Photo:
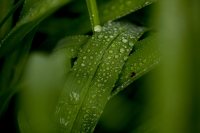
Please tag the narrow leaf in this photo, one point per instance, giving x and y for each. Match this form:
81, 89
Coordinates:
81, 82
33, 13
144, 57
105, 78
114, 9
43, 78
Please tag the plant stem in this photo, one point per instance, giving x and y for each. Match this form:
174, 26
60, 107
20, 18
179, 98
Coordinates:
94, 15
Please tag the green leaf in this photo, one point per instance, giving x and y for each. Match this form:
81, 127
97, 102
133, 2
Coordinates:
114, 9
144, 57
5, 21
109, 10
12, 70
43, 79
93, 76
33, 13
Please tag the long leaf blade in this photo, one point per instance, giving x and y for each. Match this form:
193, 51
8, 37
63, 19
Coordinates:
33, 13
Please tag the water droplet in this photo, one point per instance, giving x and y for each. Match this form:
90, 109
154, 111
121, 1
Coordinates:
116, 56
74, 96
122, 50
124, 40
63, 122
97, 28
131, 44
84, 57
110, 51
147, 3
108, 40
82, 64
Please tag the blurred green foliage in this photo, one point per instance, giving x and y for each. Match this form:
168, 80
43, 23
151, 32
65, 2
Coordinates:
35, 56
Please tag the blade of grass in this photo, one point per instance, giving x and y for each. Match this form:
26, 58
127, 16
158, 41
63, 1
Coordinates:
143, 59
82, 85
12, 71
105, 78
43, 79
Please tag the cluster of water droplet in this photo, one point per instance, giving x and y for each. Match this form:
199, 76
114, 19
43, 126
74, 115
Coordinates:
91, 54
82, 73
94, 74
143, 59
107, 73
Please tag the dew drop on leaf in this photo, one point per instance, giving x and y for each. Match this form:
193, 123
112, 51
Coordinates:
131, 44
97, 28
116, 56
74, 96
110, 51
124, 40
121, 50
82, 64
84, 57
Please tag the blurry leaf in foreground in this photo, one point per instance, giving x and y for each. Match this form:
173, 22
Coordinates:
12, 70
44, 77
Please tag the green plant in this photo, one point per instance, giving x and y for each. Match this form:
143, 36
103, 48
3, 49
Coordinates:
67, 89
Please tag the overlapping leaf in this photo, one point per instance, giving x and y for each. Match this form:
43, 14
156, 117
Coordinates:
144, 58
93, 76
43, 79
96, 72
33, 13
